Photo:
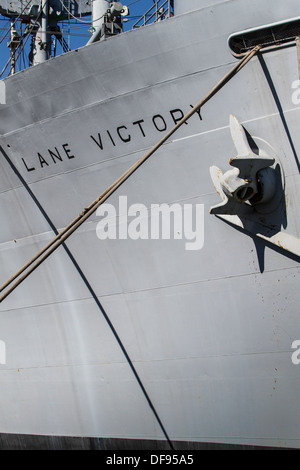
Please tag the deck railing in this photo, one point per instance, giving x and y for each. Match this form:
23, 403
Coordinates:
160, 10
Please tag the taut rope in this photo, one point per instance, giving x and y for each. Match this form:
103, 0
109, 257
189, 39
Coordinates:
85, 214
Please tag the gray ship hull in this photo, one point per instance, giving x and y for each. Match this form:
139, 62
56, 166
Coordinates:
143, 340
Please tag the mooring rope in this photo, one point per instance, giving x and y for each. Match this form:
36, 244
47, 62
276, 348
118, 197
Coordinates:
42, 255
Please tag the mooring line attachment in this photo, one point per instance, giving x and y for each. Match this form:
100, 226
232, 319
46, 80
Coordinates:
57, 241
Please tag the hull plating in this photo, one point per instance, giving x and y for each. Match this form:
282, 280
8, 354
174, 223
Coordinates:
208, 331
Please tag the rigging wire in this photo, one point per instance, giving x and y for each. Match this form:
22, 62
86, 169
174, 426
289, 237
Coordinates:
21, 49
30, 266
5, 28
76, 18
23, 43
13, 24
132, 3
62, 236
81, 24
27, 34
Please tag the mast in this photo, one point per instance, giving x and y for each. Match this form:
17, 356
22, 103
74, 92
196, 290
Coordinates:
13, 45
99, 9
42, 42
107, 19
42, 18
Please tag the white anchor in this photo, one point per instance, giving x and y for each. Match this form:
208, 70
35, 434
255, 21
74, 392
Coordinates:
251, 179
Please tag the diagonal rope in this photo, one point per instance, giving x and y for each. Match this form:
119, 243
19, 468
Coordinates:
59, 239
40, 257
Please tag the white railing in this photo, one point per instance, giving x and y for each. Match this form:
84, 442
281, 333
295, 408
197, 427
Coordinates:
160, 10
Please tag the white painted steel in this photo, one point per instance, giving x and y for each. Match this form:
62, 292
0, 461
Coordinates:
209, 332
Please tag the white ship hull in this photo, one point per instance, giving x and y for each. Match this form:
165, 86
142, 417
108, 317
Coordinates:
208, 332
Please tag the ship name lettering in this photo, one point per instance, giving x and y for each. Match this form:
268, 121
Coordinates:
55, 155
124, 134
